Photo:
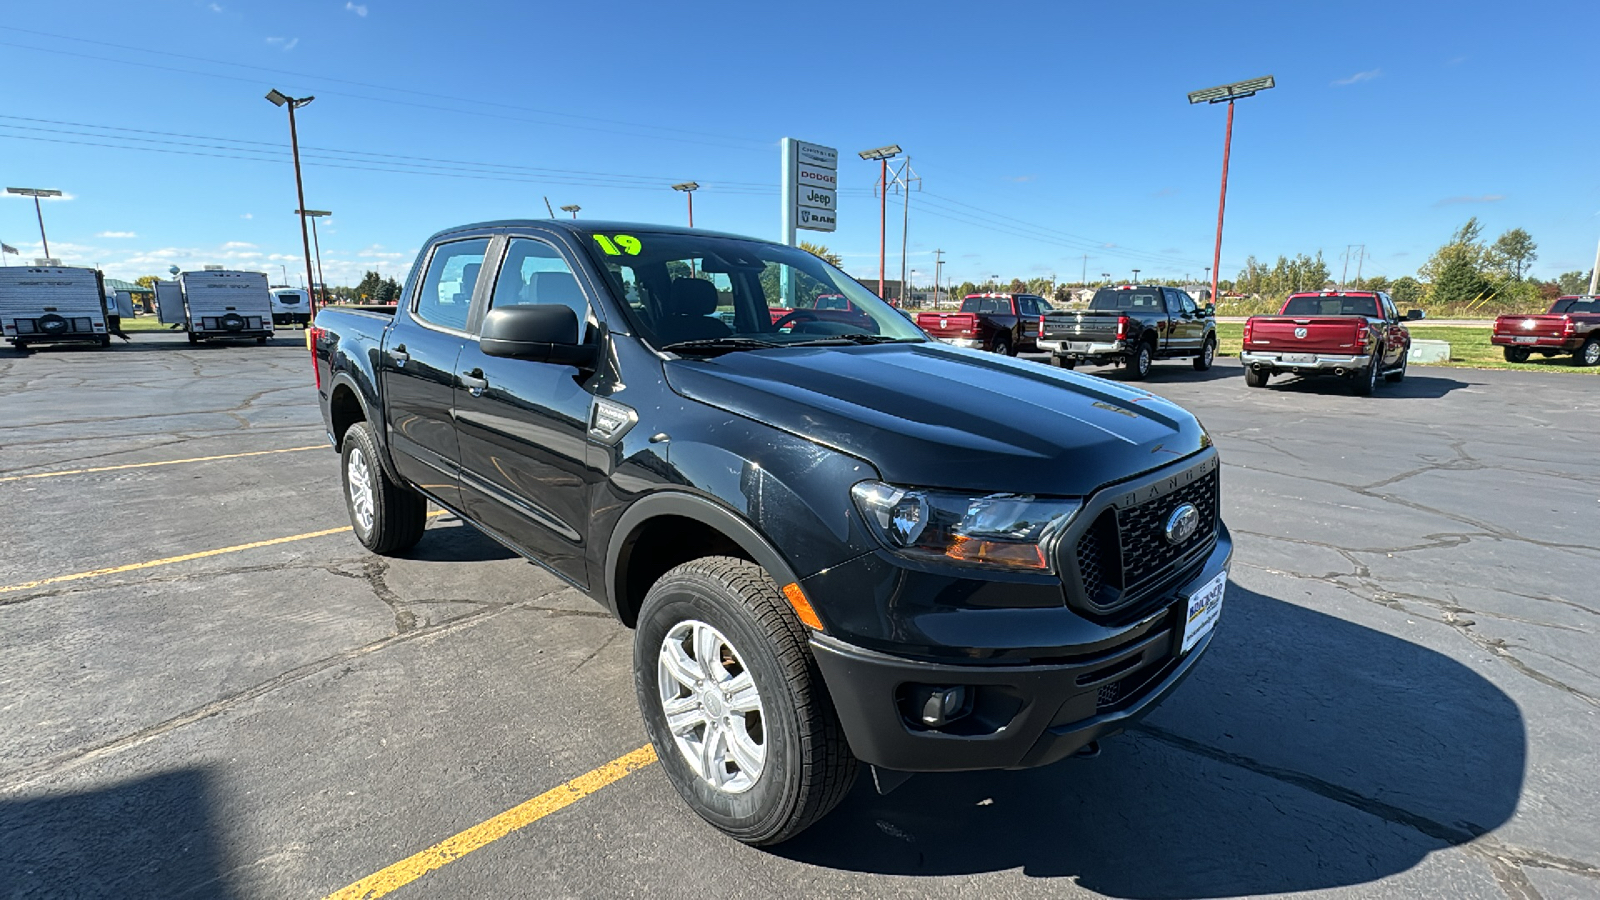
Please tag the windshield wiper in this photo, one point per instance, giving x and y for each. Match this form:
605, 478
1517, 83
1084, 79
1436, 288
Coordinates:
720, 345
841, 339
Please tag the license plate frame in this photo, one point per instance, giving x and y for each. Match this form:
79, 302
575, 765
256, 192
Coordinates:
1525, 339
1201, 610
1299, 358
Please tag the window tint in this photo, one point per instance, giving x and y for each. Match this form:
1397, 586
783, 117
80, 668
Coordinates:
535, 273
1331, 306
1028, 307
446, 294
1388, 309
1186, 302
1142, 298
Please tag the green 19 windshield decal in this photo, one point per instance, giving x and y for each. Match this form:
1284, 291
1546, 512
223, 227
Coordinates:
618, 244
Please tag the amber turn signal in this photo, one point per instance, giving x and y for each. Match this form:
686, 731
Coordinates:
802, 606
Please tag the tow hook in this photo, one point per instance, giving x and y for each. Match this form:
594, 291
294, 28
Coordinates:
1088, 751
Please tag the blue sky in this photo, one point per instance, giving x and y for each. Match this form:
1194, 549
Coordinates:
1042, 131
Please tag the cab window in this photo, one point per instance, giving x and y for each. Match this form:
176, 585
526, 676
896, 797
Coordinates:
446, 295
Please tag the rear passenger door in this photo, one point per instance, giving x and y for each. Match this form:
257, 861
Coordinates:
418, 368
1187, 325
523, 425
1397, 343
1028, 310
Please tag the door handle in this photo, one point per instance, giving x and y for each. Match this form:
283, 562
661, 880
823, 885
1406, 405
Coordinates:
474, 382
400, 356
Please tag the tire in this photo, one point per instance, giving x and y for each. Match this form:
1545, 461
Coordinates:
388, 519
261, 340
1065, 362
1516, 354
105, 340
802, 766
193, 339
1256, 379
1002, 345
1139, 363
1588, 354
1365, 383
1399, 375
1208, 355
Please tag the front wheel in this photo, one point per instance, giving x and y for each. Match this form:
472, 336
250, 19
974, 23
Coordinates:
1139, 363
1516, 354
734, 703
1589, 353
388, 519
1208, 355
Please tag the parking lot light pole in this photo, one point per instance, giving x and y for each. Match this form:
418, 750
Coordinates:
36, 193
1227, 93
316, 244
688, 188
572, 208
281, 99
882, 155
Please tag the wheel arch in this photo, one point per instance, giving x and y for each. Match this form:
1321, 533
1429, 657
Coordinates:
698, 527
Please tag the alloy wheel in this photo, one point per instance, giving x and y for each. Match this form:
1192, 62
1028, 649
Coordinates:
359, 477
712, 706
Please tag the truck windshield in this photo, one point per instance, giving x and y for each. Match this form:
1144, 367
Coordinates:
694, 291
1332, 306
1148, 299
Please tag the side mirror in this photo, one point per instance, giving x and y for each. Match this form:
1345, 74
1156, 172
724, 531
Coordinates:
1413, 315
538, 333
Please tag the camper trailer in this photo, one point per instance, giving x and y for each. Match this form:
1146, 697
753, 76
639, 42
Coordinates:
224, 305
53, 304
290, 306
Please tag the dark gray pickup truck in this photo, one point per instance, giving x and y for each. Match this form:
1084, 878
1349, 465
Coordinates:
1131, 326
839, 542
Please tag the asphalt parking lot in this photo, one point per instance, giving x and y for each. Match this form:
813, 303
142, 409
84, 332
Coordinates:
209, 689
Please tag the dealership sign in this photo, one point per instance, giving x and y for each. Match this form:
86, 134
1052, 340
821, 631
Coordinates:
810, 187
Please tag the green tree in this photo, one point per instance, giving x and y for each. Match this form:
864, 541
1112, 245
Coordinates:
966, 288
1574, 282
822, 253
1406, 291
367, 291
1464, 250
1457, 278
1373, 283
148, 281
1512, 253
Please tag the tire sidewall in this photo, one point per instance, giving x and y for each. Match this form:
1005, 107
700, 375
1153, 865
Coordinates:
1142, 361
1002, 346
767, 804
1208, 355
358, 438
1589, 353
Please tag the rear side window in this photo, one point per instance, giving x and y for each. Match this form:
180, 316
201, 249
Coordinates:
1027, 306
535, 273
446, 295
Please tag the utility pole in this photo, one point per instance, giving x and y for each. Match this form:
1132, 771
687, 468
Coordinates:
1346, 270
882, 155
1361, 258
1085, 281
1594, 273
903, 181
282, 100
938, 271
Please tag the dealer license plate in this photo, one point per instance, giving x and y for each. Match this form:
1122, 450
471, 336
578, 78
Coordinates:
1524, 339
1299, 357
1203, 609
1078, 346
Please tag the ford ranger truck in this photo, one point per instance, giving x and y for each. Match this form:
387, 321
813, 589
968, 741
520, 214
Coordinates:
1131, 326
1355, 335
838, 544
1006, 324
1571, 326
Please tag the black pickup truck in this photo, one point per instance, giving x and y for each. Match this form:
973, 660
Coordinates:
1131, 325
838, 541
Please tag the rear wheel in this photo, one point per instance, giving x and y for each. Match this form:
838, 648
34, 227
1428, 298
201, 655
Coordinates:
1002, 345
193, 339
1588, 354
1208, 355
388, 519
1065, 362
262, 339
1139, 363
1516, 354
734, 703
1256, 378
105, 340
1367, 381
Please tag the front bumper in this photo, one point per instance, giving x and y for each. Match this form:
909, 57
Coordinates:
1022, 715
1306, 363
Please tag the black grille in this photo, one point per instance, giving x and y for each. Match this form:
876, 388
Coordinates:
1142, 530
1091, 561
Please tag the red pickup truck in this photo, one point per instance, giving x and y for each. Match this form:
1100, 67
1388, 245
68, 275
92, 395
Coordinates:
1571, 326
1007, 324
1349, 334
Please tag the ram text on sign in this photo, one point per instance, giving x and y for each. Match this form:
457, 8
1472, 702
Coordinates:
816, 219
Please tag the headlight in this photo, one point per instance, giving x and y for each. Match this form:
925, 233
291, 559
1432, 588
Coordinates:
1006, 530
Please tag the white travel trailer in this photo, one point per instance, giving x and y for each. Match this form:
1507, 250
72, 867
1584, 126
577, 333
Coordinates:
224, 305
53, 304
290, 306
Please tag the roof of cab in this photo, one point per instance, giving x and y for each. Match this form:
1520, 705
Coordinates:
587, 226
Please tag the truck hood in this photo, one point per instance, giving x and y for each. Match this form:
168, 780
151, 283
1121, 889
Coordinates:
936, 416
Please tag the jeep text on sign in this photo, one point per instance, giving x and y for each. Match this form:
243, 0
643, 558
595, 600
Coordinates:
818, 198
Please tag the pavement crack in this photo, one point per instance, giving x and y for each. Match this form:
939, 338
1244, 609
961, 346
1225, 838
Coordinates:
375, 571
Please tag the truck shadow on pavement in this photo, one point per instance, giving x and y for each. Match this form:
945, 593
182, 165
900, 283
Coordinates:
156, 836
1417, 386
451, 540
1306, 752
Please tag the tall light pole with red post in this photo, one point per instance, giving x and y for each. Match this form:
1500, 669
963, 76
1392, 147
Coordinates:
1226, 93
882, 155
279, 98
688, 188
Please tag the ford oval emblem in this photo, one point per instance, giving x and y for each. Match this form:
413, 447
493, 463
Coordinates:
1300, 332
1183, 523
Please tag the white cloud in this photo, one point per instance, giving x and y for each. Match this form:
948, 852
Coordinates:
116, 234
247, 216
359, 9
238, 245
1359, 77
285, 44
214, 7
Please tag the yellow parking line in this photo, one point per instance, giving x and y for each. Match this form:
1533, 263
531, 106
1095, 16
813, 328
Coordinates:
167, 561
453, 848
165, 462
